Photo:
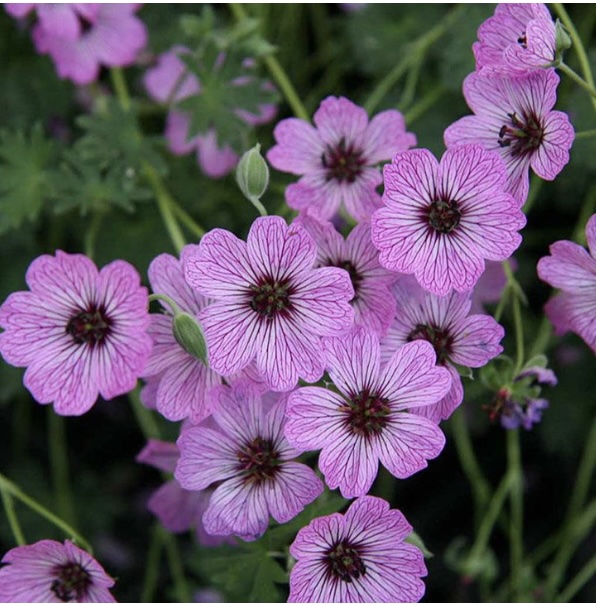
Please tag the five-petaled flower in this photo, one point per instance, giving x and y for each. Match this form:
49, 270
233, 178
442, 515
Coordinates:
359, 556
337, 158
48, 571
270, 303
79, 331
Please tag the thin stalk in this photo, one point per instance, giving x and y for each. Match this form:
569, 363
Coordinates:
577, 79
119, 84
582, 577
187, 220
59, 466
517, 511
12, 489
535, 186
277, 72
585, 134
13, 521
152, 566
176, 566
91, 234
517, 318
423, 104
410, 85
144, 417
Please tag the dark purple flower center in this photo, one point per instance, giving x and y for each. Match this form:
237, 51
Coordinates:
441, 340
523, 41
72, 582
522, 134
90, 326
443, 215
271, 298
258, 460
366, 413
86, 25
343, 162
344, 562
355, 276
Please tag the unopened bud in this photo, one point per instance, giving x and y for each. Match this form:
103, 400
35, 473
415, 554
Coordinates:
189, 335
562, 41
252, 174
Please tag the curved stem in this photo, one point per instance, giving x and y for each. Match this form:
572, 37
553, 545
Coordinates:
12, 489
584, 575
277, 72
163, 298
577, 79
516, 520
187, 220
13, 521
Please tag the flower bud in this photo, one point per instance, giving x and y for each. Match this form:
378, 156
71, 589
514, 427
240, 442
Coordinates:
562, 41
252, 174
189, 335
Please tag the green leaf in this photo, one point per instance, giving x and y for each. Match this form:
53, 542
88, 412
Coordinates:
25, 165
415, 539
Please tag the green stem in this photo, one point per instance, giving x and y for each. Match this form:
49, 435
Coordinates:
258, 205
582, 577
578, 46
119, 84
165, 203
517, 318
187, 220
12, 489
144, 417
92, 232
411, 82
176, 566
463, 443
424, 104
412, 54
59, 466
163, 298
577, 79
152, 566
13, 521
585, 134
535, 186
516, 520
277, 72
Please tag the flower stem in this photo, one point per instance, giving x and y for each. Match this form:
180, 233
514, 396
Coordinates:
171, 303
516, 520
585, 134
152, 566
144, 417
423, 104
577, 79
119, 84
277, 72
59, 465
11, 488
91, 234
187, 220
13, 521
176, 566
582, 55
517, 318
582, 577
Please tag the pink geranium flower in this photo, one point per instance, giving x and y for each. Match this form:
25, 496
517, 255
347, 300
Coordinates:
183, 381
338, 157
572, 269
81, 38
519, 37
443, 220
373, 303
457, 337
247, 455
369, 419
79, 331
169, 82
48, 571
270, 303
513, 116
360, 556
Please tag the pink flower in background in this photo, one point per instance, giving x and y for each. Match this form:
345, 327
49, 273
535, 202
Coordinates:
80, 38
249, 461
370, 419
519, 37
169, 82
513, 116
373, 303
338, 158
270, 303
178, 510
183, 381
48, 571
359, 556
443, 220
457, 337
489, 288
79, 331
572, 269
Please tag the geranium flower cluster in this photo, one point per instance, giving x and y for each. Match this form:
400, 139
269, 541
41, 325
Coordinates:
348, 346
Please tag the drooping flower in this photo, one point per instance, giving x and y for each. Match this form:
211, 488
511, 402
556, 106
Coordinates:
337, 158
170, 82
48, 571
370, 419
79, 331
443, 220
359, 556
519, 37
270, 303
572, 269
183, 381
457, 336
178, 510
513, 116
80, 38
249, 459
373, 303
